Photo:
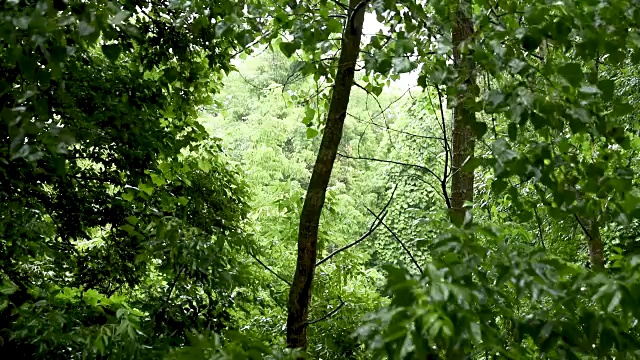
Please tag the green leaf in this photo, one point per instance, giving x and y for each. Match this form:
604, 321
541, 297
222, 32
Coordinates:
8, 287
85, 29
128, 196
111, 51
132, 220
119, 17
621, 109
171, 74
512, 131
309, 115
615, 301
120, 312
471, 164
498, 186
288, 48
403, 65
479, 128
476, 333
128, 228
148, 189
311, 133
531, 43
157, 180
589, 89
572, 72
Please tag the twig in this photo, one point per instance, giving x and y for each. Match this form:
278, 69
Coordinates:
329, 314
173, 285
396, 130
539, 221
586, 232
343, 6
413, 259
270, 270
395, 163
493, 117
251, 44
374, 225
443, 183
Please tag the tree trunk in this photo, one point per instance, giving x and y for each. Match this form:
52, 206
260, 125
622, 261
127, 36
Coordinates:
596, 245
591, 231
463, 140
300, 293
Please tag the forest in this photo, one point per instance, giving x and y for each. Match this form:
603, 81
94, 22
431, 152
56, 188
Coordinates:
320, 179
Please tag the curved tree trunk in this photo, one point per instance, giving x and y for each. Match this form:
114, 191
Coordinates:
300, 293
463, 139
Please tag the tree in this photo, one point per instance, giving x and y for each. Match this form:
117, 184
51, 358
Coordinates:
300, 293
463, 138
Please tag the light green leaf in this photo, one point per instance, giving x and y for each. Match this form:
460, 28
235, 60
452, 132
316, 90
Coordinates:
148, 189
157, 180
128, 196
615, 301
119, 17
311, 133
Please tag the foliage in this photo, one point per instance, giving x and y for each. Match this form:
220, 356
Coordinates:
120, 219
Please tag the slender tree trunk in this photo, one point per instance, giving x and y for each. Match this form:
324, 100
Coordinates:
596, 245
463, 140
300, 293
591, 230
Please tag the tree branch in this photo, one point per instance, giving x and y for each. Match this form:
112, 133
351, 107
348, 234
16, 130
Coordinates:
329, 314
413, 259
429, 171
539, 221
270, 270
374, 225
173, 285
395, 130
443, 183
586, 232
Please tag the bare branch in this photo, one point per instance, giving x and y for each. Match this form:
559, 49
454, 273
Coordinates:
413, 259
270, 270
443, 183
424, 168
586, 232
395, 130
329, 314
343, 6
539, 221
251, 44
374, 225
173, 285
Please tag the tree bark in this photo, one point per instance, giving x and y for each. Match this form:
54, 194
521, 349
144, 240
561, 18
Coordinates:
591, 230
463, 139
596, 246
300, 292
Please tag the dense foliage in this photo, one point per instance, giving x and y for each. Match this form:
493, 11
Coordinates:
157, 155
